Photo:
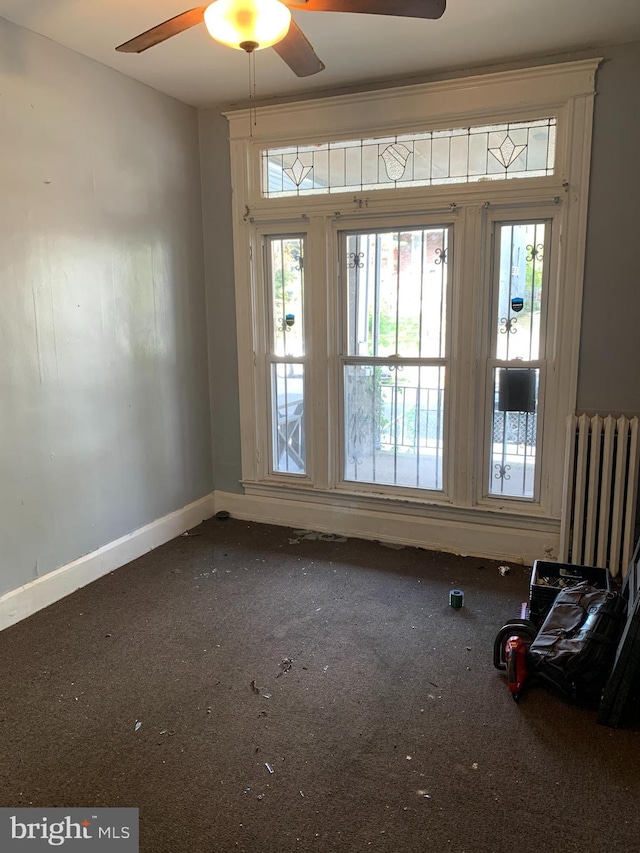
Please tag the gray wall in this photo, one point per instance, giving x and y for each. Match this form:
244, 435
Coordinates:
104, 401
221, 311
608, 379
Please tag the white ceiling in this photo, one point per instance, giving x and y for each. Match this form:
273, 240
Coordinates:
355, 48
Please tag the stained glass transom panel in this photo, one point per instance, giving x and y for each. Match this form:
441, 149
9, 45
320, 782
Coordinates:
457, 156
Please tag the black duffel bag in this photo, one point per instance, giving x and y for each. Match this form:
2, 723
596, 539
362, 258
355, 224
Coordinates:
574, 650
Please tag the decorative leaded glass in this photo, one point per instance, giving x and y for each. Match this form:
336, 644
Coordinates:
456, 156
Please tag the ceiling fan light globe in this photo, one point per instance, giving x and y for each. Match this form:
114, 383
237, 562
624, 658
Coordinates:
238, 22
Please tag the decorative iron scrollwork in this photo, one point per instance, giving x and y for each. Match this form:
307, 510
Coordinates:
535, 252
442, 256
355, 260
297, 256
399, 367
508, 325
502, 472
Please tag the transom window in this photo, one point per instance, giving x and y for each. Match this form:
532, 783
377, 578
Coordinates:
460, 155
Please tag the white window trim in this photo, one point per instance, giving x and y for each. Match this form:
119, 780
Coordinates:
552, 460
564, 90
445, 219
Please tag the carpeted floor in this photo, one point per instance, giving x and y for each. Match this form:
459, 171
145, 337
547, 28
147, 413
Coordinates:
341, 666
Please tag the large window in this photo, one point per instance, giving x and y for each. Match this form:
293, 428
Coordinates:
408, 315
393, 336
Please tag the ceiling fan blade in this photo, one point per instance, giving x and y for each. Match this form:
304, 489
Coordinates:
400, 8
164, 31
297, 52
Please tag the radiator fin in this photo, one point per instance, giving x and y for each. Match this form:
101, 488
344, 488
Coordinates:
600, 491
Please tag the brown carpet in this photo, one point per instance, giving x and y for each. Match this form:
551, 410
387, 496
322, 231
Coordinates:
391, 731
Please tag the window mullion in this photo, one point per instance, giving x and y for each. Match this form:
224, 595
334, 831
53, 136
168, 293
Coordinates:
319, 390
261, 369
464, 341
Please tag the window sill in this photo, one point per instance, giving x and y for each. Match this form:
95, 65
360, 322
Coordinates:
516, 516
471, 531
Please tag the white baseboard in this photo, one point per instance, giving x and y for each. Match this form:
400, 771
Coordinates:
486, 538
37, 594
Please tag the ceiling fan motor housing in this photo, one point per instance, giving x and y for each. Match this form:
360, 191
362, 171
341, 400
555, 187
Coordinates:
247, 24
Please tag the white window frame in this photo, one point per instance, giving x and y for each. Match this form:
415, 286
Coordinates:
266, 349
464, 519
390, 222
547, 408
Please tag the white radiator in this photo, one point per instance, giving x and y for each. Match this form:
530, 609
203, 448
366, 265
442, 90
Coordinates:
600, 492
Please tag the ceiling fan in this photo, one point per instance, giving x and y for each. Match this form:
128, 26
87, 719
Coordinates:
250, 25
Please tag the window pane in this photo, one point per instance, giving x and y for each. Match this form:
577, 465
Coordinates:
288, 439
503, 151
394, 425
287, 291
513, 435
520, 291
397, 293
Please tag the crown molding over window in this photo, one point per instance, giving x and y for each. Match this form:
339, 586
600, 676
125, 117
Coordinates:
418, 105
